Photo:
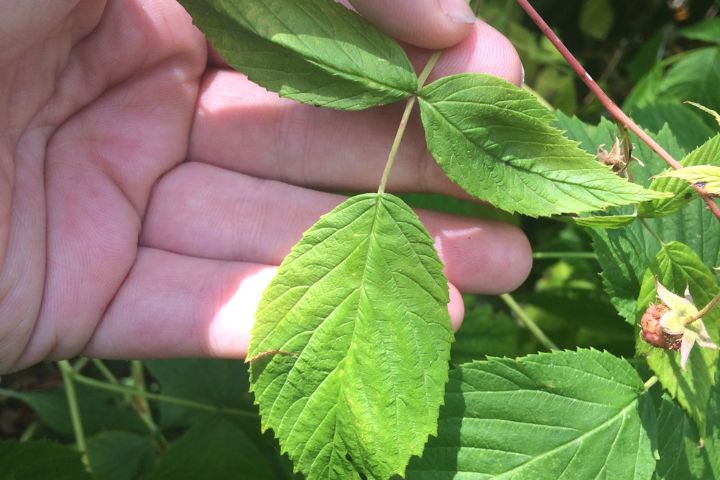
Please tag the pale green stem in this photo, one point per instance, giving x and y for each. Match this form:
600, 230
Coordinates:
105, 371
650, 382
705, 310
396, 144
651, 231
564, 255
528, 322
140, 402
432, 61
68, 374
29, 432
404, 122
80, 364
91, 382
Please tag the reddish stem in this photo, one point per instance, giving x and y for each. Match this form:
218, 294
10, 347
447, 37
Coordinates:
609, 105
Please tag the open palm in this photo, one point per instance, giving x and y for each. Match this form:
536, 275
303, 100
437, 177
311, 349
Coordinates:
146, 195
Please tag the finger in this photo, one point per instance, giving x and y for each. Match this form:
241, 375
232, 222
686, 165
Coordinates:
424, 23
177, 306
241, 126
205, 211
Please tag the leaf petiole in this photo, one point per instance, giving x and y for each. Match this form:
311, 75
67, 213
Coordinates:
704, 311
404, 120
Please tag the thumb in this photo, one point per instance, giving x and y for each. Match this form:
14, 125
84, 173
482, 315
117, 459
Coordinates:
424, 23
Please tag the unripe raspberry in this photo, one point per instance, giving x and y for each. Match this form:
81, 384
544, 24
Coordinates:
652, 331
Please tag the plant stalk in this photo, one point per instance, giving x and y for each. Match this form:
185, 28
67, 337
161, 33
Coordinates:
528, 322
396, 144
607, 102
705, 310
118, 388
564, 255
405, 119
140, 403
68, 374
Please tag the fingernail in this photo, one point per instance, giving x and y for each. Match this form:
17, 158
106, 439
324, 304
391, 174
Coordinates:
458, 11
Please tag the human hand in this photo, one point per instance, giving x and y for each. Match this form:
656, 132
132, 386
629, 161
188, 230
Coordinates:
147, 195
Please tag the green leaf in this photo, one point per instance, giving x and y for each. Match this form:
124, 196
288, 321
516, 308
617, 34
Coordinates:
99, 410
581, 415
495, 140
707, 31
708, 153
349, 353
681, 455
686, 124
485, 333
647, 89
605, 221
677, 267
213, 449
119, 456
695, 77
220, 383
709, 111
40, 460
314, 51
597, 18
707, 176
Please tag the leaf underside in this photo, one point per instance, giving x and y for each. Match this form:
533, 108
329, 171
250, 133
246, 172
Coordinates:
314, 51
606, 221
563, 415
496, 141
359, 309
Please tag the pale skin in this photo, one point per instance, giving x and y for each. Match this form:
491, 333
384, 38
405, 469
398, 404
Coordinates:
148, 194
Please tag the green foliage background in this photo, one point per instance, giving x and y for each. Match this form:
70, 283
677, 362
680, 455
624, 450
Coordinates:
198, 419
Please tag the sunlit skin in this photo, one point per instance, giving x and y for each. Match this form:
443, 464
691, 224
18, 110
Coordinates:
147, 195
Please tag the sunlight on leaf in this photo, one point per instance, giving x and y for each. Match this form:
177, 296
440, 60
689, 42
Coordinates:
361, 303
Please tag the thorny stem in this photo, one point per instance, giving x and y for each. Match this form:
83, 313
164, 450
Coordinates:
705, 310
609, 105
404, 121
528, 322
68, 374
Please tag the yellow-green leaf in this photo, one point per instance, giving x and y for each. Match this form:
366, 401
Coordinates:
705, 176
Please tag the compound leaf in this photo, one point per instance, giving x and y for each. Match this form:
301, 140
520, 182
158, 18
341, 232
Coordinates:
496, 141
350, 349
314, 51
564, 414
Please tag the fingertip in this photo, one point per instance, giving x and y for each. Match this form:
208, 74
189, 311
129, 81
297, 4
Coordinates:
456, 308
484, 50
431, 24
